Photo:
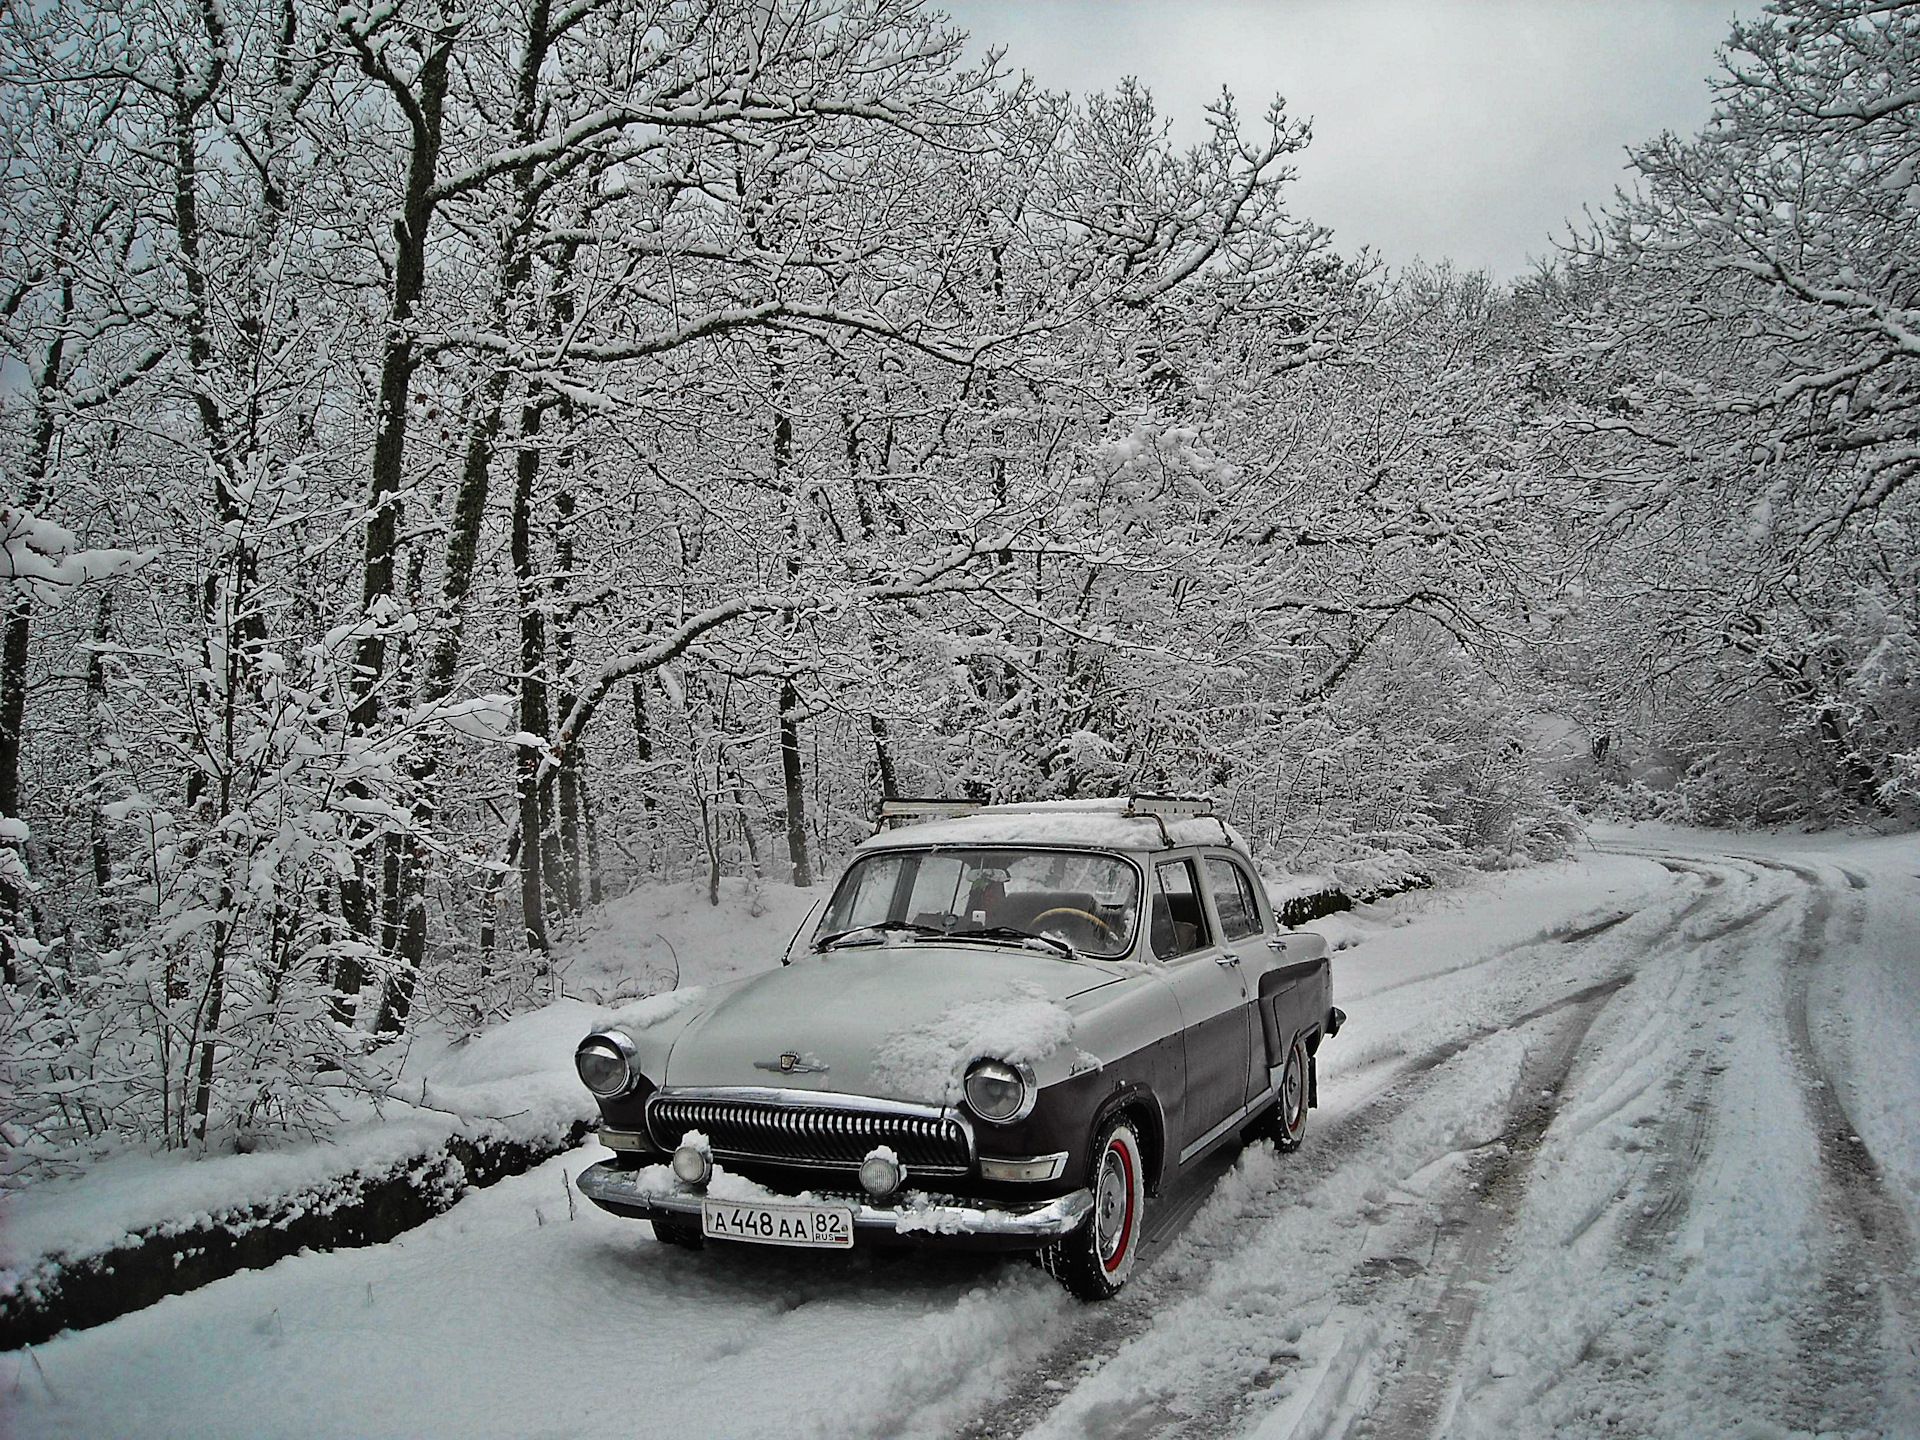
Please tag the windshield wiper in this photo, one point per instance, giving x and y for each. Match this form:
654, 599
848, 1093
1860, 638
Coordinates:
1012, 932
876, 928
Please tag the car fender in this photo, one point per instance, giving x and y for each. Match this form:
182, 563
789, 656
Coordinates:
1139, 1098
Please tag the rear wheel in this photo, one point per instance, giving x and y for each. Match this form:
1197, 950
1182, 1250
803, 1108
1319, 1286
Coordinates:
1095, 1260
1286, 1123
685, 1233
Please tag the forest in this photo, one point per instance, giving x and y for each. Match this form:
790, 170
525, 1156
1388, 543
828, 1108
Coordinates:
466, 461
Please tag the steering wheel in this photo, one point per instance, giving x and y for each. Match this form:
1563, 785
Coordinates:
1078, 914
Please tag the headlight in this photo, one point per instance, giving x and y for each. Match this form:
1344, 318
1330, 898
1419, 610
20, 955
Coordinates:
605, 1063
1000, 1092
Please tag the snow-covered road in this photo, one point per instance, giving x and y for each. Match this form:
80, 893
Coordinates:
1621, 1147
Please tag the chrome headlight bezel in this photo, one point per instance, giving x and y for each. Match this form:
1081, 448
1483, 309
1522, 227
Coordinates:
612, 1045
1002, 1072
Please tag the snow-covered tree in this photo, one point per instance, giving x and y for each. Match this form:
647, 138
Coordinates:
1742, 385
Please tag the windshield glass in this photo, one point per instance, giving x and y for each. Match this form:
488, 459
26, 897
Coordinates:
1088, 901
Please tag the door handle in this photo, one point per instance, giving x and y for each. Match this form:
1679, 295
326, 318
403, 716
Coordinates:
1227, 958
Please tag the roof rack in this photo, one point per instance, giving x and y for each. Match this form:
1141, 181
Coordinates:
1162, 808
904, 810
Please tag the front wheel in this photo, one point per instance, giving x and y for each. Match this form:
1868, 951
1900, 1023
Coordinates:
1286, 1123
1095, 1260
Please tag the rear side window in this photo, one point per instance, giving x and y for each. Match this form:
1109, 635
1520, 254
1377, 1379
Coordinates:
1233, 898
1179, 921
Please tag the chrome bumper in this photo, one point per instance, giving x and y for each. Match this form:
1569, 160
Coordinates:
1040, 1220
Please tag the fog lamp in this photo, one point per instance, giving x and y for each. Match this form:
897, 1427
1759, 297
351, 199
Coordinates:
693, 1165
881, 1173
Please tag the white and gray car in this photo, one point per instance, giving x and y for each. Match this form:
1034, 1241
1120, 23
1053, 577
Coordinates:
1007, 1027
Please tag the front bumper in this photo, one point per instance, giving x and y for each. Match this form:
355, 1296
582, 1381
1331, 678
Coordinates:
655, 1194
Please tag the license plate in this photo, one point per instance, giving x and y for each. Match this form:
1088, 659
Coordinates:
825, 1227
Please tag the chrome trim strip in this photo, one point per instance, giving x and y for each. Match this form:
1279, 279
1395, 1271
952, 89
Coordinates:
844, 1167
1226, 1124
1041, 1221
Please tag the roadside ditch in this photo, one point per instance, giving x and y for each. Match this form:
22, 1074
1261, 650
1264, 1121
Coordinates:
56, 1293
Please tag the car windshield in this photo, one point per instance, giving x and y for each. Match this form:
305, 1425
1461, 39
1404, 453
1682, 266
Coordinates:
1087, 901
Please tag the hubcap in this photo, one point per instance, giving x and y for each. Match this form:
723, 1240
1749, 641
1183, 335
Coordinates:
1293, 1089
1114, 1199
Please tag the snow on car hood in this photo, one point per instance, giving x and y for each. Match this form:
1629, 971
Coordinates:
896, 1021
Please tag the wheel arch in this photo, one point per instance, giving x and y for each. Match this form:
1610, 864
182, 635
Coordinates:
1141, 1106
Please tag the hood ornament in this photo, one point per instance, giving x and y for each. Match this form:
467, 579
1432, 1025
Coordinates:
792, 1064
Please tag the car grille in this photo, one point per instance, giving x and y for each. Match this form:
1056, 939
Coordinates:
817, 1136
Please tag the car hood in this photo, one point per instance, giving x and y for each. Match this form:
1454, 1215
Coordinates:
897, 1021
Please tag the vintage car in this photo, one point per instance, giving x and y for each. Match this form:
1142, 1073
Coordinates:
1006, 1027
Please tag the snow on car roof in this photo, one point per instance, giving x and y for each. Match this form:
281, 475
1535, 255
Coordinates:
1098, 824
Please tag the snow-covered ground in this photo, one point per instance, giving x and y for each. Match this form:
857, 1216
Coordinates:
1624, 1146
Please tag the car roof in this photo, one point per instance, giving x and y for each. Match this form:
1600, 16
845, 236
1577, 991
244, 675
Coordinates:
1079, 824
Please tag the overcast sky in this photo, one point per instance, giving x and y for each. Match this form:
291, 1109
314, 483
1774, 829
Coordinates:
1463, 129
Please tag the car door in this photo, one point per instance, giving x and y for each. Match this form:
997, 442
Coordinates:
1237, 910
1210, 986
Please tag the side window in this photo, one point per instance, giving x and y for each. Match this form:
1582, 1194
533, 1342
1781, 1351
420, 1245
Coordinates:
1233, 898
1179, 921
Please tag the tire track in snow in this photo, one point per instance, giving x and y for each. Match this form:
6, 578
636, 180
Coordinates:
1394, 1065
1427, 1374
1684, 1129
1417, 1392
1574, 935
1867, 1284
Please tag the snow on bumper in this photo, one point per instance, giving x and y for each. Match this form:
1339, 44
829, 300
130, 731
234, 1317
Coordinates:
656, 1191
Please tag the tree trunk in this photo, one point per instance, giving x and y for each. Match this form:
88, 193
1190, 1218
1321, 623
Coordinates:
424, 106
643, 749
596, 890
463, 547
789, 698
388, 470
883, 758
96, 696
14, 649
795, 784
490, 908
533, 690
13, 704
210, 1029
571, 852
